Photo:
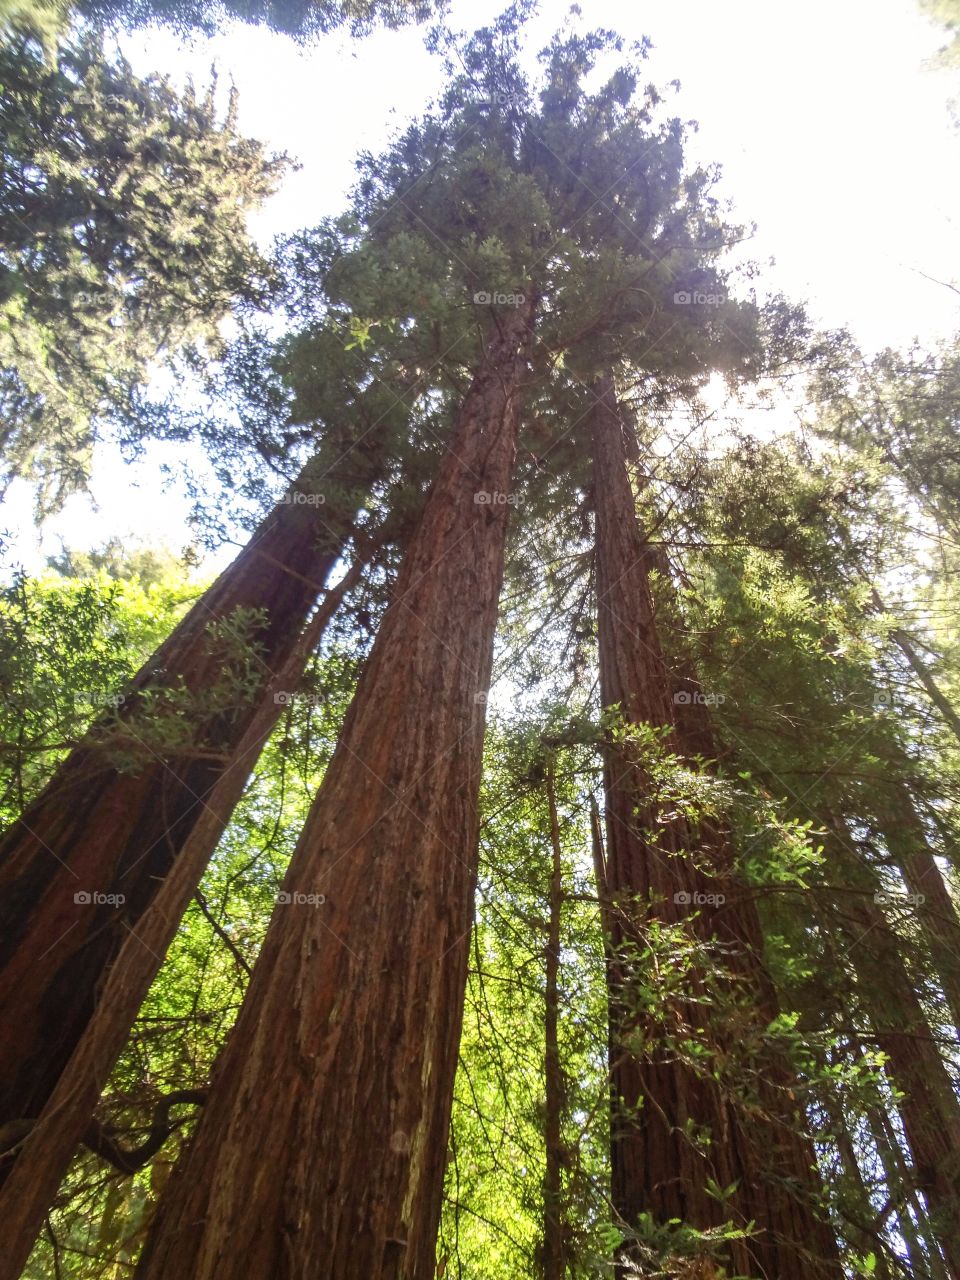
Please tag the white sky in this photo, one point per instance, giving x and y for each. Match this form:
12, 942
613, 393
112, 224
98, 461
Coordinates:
833, 136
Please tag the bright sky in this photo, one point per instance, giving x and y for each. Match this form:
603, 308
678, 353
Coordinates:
832, 133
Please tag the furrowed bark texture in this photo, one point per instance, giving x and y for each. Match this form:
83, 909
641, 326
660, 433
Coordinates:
42, 1161
322, 1148
657, 1166
96, 830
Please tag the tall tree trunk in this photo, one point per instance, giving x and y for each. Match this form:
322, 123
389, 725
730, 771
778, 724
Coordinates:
929, 1106
323, 1144
83, 863
42, 1160
554, 1235
657, 864
906, 840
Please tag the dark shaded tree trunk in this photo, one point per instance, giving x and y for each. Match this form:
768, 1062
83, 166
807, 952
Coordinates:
656, 863
85, 860
323, 1145
907, 843
929, 1107
554, 1234
43, 1157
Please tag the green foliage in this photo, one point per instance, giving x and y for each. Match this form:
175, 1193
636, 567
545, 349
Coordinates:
302, 19
68, 646
494, 1209
122, 241
43, 19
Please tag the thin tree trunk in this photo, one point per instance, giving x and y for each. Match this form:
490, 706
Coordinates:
554, 1237
929, 1106
599, 858
656, 863
323, 1145
925, 1259
921, 671
868, 1238
83, 863
45, 1154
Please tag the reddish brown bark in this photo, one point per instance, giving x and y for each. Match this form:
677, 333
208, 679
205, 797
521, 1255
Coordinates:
323, 1146
656, 862
43, 1158
97, 830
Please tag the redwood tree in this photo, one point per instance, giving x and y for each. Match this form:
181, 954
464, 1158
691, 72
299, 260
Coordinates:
47, 1144
82, 864
898, 1025
685, 1146
325, 1135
